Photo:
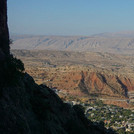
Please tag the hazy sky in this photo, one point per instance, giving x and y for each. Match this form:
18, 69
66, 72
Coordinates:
70, 17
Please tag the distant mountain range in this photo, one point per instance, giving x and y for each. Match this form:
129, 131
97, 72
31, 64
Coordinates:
121, 42
116, 34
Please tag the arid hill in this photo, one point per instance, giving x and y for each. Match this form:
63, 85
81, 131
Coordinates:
84, 82
82, 74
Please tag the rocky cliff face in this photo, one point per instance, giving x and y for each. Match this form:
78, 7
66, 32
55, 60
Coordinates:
4, 34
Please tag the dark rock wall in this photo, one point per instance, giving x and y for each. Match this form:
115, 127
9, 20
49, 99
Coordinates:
4, 34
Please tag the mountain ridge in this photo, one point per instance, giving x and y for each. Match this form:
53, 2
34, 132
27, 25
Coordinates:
113, 43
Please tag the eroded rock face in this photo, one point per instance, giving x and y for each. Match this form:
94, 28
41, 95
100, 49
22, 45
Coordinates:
4, 34
88, 83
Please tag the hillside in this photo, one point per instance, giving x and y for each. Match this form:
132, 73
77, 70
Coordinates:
122, 43
85, 82
85, 75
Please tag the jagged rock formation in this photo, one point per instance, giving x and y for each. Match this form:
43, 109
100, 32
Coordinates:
26, 108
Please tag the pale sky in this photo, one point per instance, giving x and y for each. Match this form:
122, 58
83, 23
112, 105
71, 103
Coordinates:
70, 17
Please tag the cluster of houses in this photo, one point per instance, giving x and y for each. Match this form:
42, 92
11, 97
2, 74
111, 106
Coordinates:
112, 116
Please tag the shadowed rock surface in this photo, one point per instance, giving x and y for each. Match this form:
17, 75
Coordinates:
4, 35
